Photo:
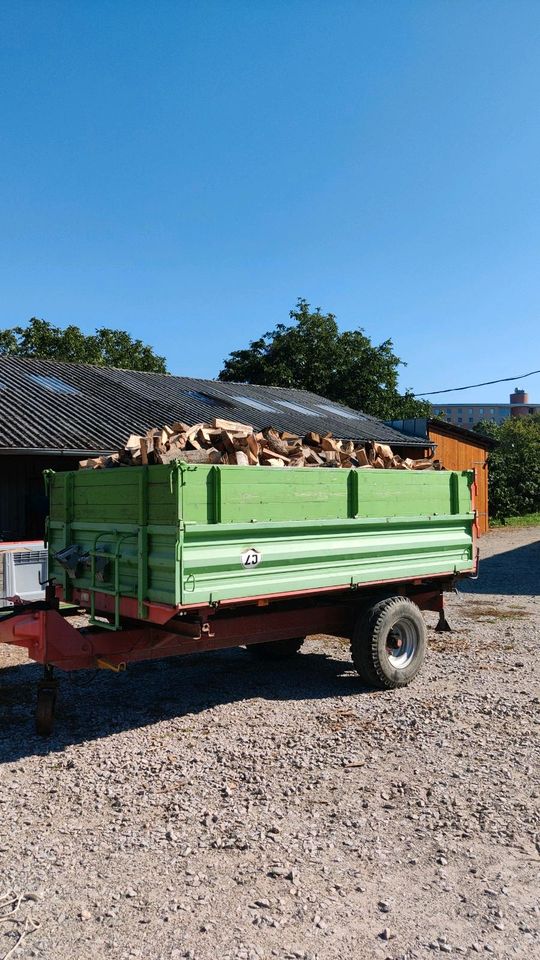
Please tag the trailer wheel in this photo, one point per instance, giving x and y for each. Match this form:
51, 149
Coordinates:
45, 710
389, 643
276, 649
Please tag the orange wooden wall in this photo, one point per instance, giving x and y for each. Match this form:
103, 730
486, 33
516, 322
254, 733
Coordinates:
463, 455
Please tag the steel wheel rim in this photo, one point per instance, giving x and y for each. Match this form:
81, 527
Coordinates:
401, 644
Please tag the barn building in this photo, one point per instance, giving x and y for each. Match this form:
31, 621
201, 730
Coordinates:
54, 414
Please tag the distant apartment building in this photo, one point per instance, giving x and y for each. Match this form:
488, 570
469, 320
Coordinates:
467, 414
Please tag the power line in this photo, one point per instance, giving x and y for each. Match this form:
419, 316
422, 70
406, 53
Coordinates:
471, 386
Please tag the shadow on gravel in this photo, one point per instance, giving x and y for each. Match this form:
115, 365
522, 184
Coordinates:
514, 572
91, 706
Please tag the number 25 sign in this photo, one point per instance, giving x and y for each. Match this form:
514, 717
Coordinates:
250, 558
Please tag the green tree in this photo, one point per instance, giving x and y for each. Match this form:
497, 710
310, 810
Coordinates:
514, 466
104, 348
312, 354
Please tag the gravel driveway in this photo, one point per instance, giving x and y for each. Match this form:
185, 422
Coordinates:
215, 808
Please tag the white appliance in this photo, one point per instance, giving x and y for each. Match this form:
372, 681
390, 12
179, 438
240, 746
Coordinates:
22, 566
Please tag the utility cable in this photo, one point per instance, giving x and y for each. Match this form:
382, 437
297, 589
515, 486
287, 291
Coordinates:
471, 386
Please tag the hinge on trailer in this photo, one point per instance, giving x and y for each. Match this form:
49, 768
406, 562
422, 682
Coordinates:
475, 575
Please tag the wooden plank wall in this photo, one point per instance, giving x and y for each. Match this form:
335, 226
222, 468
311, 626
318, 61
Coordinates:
463, 455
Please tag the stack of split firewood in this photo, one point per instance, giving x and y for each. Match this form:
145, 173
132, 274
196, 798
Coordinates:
225, 441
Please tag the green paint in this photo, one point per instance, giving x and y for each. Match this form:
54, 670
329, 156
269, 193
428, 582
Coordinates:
178, 531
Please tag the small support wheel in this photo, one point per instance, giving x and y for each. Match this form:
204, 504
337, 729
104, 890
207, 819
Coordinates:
45, 708
389, 643
276, 649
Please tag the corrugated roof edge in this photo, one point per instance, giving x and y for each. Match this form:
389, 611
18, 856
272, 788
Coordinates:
454, 430
56, 452
419, 427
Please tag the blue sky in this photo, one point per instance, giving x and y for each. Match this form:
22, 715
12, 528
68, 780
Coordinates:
186, 170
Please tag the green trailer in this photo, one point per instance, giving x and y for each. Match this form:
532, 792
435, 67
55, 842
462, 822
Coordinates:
179, 558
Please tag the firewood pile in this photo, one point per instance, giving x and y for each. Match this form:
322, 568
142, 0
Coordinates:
228, 442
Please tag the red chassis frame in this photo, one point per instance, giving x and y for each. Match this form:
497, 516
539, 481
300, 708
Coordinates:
50, 639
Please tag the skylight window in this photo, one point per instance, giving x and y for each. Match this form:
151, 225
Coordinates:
54, 384
295, 406
337, 411
202, 397
249, 402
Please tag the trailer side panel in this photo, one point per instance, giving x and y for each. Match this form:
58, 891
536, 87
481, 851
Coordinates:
189, 535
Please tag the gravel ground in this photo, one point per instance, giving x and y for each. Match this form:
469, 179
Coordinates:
212, 807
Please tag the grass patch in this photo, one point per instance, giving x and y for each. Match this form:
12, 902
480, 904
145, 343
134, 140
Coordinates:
527, 520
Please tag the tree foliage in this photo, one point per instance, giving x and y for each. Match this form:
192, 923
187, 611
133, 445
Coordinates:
312, 354
514, 466
104, 348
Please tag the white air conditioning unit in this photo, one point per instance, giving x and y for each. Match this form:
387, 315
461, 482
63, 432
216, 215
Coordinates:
23, 570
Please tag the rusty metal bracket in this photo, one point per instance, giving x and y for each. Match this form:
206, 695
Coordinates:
107, 665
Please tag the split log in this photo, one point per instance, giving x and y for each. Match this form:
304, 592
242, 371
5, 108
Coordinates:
268, 454
144, 450
217, 422
92, 463
312, 457
275, 443
198, 456
227, 442
133, 442
253, 445
383, 452
362, 457
330, 445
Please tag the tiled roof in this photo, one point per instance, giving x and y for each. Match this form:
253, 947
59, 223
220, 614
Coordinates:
45, 405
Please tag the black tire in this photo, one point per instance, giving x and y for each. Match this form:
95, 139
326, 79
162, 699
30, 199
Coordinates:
276, 649
45, 710
391, 631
